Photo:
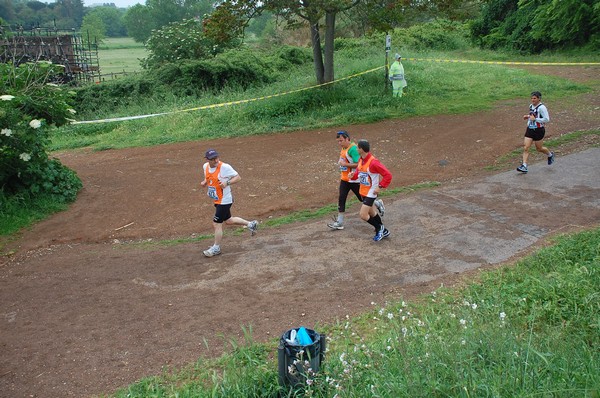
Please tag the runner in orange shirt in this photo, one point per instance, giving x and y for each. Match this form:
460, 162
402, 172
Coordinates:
218, 177
372, 176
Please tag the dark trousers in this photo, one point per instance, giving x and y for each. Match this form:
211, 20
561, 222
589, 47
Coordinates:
345, 188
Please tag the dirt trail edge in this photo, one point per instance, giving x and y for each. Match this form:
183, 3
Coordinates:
83, 311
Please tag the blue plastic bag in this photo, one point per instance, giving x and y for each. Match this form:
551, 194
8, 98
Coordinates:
303, 337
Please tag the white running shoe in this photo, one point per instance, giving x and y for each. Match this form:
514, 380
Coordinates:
380, 207
335, 225
253, 227
212, 251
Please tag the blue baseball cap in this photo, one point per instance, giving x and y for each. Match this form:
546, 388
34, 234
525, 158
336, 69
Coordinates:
211, 154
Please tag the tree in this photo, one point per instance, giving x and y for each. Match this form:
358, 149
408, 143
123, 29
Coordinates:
140, 20
93, 27
112, 18
7, 11
312, 12
139, 23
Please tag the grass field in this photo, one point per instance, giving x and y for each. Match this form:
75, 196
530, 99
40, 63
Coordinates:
120, 54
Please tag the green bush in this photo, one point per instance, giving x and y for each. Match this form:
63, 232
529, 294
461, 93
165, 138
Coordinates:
29, 104
440, 35
111, 95
179, 41
239, 68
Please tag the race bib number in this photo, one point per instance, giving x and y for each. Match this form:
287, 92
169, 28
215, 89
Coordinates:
363, 178
212, 193
343, 168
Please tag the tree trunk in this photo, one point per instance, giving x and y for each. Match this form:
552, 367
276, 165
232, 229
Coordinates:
329, 38
315, 39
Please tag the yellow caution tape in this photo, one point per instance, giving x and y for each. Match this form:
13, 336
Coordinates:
502, 62
121, 119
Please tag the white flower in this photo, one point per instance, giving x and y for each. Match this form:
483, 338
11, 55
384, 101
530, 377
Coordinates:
474, 306
35, 124
6, 132
390, 315
25, 157
502, 316
6, 97
72, 111
463, 322
463, 342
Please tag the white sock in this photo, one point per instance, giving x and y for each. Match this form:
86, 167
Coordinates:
340, 218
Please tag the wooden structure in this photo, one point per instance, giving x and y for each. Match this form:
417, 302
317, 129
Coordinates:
78, 56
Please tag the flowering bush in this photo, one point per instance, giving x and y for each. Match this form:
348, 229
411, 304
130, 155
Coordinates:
29, 104
185, 40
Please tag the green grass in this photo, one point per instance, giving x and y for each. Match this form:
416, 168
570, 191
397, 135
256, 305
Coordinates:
17, 212
434, 88
526, 330
118, 55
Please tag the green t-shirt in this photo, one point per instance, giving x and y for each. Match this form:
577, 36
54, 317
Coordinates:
353, 153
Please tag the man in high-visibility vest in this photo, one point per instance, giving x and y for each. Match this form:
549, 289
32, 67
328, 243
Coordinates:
396, 74
372, 176
218, 178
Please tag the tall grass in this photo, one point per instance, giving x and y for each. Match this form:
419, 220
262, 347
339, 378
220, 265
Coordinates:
433, 88
532, 329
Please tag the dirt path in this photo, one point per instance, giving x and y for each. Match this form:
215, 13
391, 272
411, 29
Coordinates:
84, 311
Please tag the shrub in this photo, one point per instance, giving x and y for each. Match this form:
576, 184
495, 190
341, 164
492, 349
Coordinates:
179, 41
239, 68
29, 104
436, 35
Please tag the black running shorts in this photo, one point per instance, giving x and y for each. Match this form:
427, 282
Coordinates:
222, 214
535, 134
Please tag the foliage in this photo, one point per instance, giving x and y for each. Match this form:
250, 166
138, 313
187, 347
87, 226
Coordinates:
140, 20
532, 26
234, 69
63, 14
440, 34
225, 26
112, 18
29, 104
179, 41
93, 27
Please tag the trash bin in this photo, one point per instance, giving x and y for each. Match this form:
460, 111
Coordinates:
295, 359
